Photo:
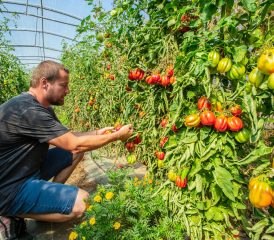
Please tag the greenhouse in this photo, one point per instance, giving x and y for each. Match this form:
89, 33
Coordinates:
137, 119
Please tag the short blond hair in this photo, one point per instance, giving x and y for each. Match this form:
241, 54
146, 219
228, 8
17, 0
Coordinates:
46, 69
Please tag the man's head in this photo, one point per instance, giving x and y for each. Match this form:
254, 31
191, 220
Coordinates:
52, 79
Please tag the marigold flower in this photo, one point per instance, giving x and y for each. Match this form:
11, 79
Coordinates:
150, 181
116, 225
89, 208
92, 221
83, 224
73, 236
97, 198
109, 195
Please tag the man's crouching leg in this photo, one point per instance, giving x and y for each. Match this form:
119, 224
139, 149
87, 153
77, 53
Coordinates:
77, 211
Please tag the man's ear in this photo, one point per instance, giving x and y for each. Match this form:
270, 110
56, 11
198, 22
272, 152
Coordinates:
44, 83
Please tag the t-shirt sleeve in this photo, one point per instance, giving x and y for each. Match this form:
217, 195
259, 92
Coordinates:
40, 123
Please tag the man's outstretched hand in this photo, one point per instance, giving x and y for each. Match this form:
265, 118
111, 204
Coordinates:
125, 132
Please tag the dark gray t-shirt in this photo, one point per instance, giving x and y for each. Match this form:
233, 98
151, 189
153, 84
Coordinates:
25, 128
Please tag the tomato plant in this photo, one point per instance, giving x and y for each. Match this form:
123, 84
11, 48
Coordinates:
210, 52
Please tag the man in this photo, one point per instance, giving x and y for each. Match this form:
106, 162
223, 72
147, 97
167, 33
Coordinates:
27, 126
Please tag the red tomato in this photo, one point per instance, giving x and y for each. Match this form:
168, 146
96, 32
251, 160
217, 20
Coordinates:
185, 18
156, 78
181, 183
130, 146
170, 71
221, 123
136, 74
174, 128
164, 122
203, 102
165, 81
111, 77
149, 80
163, 141
207, 118
236, 110
160, 155
118, 126
137, 139
234, 124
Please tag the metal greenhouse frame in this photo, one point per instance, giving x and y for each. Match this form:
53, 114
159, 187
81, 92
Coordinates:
39, 8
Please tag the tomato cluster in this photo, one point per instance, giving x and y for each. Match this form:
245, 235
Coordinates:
179, 179
265, 66
130, 146
155, 78
164, 81
225, 65
221, 122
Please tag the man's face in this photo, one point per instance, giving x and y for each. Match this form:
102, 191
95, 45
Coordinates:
59, 89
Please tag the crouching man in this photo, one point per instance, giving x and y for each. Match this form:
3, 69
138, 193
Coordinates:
28, 126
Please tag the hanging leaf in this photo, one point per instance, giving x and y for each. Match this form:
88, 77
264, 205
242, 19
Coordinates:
223, 178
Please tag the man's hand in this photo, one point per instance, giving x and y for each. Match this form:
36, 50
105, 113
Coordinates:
125, 132
103, 130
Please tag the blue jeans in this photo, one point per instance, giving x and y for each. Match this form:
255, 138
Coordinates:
38, 196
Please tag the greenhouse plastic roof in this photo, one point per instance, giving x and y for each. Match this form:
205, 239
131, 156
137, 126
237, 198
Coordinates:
39, 27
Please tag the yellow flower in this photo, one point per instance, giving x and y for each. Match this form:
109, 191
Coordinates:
83, 224
109, 195
150, 181
92, 221
97, 198
83, 238
89, 208
73, 236
136, 179
116, 225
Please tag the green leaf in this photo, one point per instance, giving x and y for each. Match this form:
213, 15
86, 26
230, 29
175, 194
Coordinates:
250, 5
171, 22
239, 53
208, 11
199, 184
224, 179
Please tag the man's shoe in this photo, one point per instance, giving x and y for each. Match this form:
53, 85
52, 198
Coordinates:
16, 229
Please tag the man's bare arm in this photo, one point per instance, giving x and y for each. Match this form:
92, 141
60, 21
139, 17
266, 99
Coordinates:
89, 133
77, 144
94, 132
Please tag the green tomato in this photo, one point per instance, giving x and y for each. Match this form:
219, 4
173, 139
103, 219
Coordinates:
236, 72
224, 65
270, 82
213, 58
160, 163
131, 159
256, 77
100, 37
113, 12
243, 135
171, 175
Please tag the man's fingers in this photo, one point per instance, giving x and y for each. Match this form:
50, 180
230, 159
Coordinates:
108, 128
